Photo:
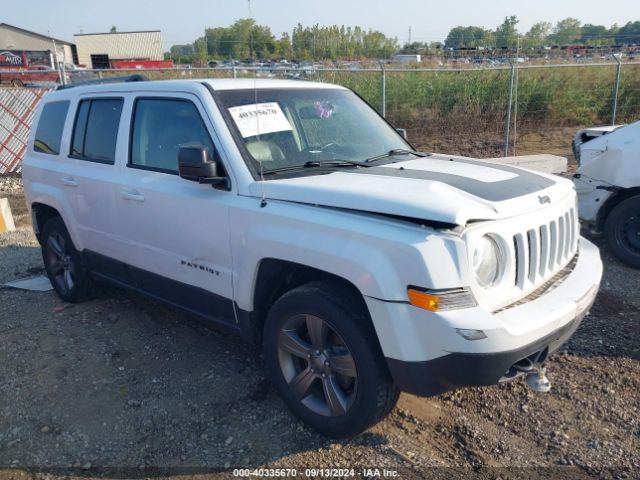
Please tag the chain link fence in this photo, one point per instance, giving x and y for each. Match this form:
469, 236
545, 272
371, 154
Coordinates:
16, 112
481, 112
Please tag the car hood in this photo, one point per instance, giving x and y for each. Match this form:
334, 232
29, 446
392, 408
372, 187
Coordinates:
451, 190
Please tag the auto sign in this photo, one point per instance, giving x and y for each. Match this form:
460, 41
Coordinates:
10, 59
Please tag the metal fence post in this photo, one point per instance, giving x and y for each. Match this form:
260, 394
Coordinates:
63, 74
383, 90
508, 120
233, 70
616, 88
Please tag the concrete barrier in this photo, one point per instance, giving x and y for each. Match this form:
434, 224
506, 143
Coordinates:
543, 162
6, 219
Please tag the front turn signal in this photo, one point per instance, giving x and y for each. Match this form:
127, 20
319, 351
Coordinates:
423, 300
438, 300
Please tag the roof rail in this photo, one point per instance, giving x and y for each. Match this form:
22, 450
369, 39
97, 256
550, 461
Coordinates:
100, 81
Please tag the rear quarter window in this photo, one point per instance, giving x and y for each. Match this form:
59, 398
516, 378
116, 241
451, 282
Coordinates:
50, 125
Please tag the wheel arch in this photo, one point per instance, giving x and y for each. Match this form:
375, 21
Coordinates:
41, 214
275, 277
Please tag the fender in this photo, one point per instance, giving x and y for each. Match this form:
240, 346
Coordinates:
381, 257
46, 194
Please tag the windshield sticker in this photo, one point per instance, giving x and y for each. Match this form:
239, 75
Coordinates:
259, 118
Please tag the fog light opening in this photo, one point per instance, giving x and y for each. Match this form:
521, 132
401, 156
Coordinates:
471, 335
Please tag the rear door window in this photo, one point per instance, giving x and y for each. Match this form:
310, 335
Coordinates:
95, 132
49, 131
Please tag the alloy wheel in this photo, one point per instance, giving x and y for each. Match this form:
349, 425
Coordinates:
61, 266
317, 365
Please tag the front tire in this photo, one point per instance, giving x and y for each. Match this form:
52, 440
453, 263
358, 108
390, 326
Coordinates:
324, 359
622, 230
63, 263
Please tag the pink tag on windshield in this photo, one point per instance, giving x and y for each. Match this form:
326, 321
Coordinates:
323, 109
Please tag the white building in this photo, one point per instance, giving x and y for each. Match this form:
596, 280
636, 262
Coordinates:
17, 39
97, 50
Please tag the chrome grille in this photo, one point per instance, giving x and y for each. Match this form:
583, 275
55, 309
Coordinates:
542, 251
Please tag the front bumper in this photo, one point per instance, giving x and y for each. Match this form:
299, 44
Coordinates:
456, 370
426, 356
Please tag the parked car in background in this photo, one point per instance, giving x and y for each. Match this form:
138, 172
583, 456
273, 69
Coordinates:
608, 185
35, 75
27, 67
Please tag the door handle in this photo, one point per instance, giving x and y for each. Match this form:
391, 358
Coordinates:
134, 195
69, 182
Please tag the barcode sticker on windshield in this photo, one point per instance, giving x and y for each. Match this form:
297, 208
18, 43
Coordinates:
259, 118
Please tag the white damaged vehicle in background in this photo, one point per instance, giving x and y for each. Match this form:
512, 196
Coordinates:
608, 186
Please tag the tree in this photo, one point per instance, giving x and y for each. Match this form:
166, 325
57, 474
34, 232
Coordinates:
538, 35
284, 49
217, 46
507, 33
200, 47
182, 53
113, 29
567, 32
469, 37
333, 42
595, 35
243, 39
629, 34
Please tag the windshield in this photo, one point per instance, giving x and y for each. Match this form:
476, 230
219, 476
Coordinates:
279, 128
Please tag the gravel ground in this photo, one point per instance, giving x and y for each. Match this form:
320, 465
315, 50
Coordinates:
19, 250
121, 386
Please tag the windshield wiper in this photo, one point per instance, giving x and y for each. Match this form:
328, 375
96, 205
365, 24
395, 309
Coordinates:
396, 151
317, 163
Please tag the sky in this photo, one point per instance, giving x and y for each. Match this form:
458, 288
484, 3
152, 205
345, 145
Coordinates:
182, 21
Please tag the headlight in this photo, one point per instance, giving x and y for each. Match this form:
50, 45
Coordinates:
487, 264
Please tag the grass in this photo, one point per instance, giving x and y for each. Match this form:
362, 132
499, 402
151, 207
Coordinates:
476, 100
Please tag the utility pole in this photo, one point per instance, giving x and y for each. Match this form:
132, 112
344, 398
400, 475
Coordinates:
206, 45
250, 32
409, 42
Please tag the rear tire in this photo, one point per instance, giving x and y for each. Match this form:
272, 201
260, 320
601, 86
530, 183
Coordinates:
17, 83
622, 230
63, 263
325, 361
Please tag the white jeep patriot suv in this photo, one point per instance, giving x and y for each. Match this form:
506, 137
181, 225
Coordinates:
296, 215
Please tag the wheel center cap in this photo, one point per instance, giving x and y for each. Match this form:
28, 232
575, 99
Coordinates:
319, 362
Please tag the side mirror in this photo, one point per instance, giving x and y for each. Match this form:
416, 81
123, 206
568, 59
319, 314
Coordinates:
195, 164
403, 132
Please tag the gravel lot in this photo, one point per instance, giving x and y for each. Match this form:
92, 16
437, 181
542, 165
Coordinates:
121, 386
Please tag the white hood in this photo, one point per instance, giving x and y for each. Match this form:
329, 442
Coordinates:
432, 188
